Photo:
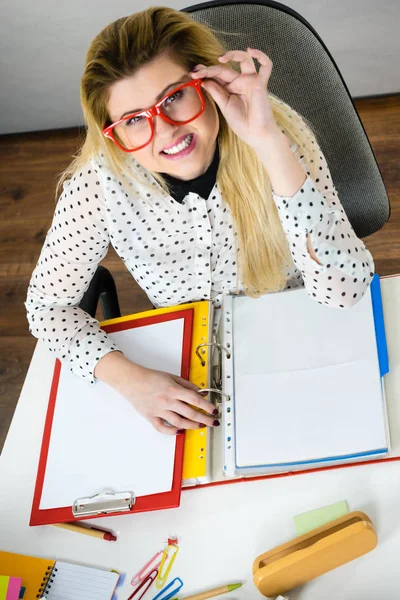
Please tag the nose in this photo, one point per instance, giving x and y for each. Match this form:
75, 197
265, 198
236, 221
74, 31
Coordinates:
164, 131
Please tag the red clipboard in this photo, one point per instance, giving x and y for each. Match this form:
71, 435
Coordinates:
151, 502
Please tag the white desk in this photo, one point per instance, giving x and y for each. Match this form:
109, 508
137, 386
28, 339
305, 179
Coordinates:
221, 529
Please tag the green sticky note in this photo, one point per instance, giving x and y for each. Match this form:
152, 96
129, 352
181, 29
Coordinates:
3, 586
316, 518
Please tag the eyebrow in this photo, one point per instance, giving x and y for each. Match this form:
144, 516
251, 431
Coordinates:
160, 95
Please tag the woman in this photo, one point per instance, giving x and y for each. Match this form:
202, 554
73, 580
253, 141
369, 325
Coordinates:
218, 187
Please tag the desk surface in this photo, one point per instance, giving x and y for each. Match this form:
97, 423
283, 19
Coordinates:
221, 529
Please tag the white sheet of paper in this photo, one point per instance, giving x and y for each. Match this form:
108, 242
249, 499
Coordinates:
98, 441
75, 582
307, 381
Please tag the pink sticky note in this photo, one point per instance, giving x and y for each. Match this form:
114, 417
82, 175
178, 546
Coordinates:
14, 587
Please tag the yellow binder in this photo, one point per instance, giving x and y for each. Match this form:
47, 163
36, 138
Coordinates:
196, 451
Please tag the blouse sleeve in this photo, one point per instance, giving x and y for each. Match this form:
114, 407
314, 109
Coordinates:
75, 244
315, 211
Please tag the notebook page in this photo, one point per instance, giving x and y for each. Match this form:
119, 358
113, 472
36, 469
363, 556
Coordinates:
98, 441
307, 382
74, 582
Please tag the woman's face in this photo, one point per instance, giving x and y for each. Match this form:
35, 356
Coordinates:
140, 91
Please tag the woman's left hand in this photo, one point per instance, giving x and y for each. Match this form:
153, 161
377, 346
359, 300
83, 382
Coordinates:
242, 97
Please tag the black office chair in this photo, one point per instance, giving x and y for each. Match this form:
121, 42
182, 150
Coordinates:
306, 77
102, 287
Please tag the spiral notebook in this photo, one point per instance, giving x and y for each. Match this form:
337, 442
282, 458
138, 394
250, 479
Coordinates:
57, 580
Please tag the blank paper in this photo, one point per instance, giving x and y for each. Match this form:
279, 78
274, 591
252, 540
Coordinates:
99, 442
307, 381
73, 582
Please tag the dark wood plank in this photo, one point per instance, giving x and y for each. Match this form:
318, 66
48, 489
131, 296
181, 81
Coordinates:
29, 166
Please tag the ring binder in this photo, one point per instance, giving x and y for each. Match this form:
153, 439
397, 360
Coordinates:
218, 391
216, 345
217, 368
103, 504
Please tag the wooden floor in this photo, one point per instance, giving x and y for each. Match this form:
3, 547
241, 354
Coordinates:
29, 166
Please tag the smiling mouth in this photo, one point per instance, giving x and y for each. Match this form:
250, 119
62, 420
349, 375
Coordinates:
185, 143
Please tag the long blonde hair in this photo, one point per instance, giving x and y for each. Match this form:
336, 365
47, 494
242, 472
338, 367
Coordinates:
131, 42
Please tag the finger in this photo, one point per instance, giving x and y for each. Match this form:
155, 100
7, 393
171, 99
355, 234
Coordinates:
217, 93
185, 383
188, 385
246, 62
181, 422
218, 72
196, 400
161, 427
202, 392
265, 63
187, 411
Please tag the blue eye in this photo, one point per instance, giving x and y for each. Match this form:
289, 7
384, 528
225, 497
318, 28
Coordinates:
173, 97
133, 120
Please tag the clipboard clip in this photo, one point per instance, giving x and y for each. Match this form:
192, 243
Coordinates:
103, 504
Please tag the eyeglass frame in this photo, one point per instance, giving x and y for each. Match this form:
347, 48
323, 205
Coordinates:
154, 111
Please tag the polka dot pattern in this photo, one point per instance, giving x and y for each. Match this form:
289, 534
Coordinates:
315, 211
177, 252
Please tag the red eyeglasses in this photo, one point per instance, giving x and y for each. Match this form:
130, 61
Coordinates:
180, 106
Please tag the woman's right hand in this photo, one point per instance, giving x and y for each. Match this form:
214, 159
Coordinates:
167, 401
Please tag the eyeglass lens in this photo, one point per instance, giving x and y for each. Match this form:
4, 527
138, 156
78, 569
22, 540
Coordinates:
180, 106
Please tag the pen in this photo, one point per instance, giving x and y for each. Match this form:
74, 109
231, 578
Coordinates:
215, 592
93, 531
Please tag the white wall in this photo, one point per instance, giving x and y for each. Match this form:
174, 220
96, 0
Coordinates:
43, 45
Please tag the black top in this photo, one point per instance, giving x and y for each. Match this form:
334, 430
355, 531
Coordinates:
201, 185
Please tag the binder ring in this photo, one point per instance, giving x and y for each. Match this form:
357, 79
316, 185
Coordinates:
226, 396
217, 345
216, 391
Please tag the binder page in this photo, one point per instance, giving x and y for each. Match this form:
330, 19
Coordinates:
307, 381
74, 582
98, 440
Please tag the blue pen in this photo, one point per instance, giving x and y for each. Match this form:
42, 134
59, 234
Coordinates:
167, 592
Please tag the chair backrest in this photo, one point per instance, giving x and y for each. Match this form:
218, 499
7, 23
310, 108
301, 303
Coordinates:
305, 76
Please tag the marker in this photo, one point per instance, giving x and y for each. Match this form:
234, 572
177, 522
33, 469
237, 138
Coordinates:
85, 529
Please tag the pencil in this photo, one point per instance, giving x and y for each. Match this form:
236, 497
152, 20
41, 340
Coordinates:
215, 592
99, 533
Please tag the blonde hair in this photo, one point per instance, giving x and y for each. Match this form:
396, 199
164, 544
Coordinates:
129, 43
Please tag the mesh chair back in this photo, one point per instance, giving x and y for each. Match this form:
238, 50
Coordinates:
306, 77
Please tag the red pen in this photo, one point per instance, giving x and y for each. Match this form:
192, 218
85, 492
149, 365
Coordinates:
87, 530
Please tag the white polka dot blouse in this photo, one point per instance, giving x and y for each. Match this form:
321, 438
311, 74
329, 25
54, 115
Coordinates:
177, 252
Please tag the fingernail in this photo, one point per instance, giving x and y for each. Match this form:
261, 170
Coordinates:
194, 70
215, 412
216, 423
180, 431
